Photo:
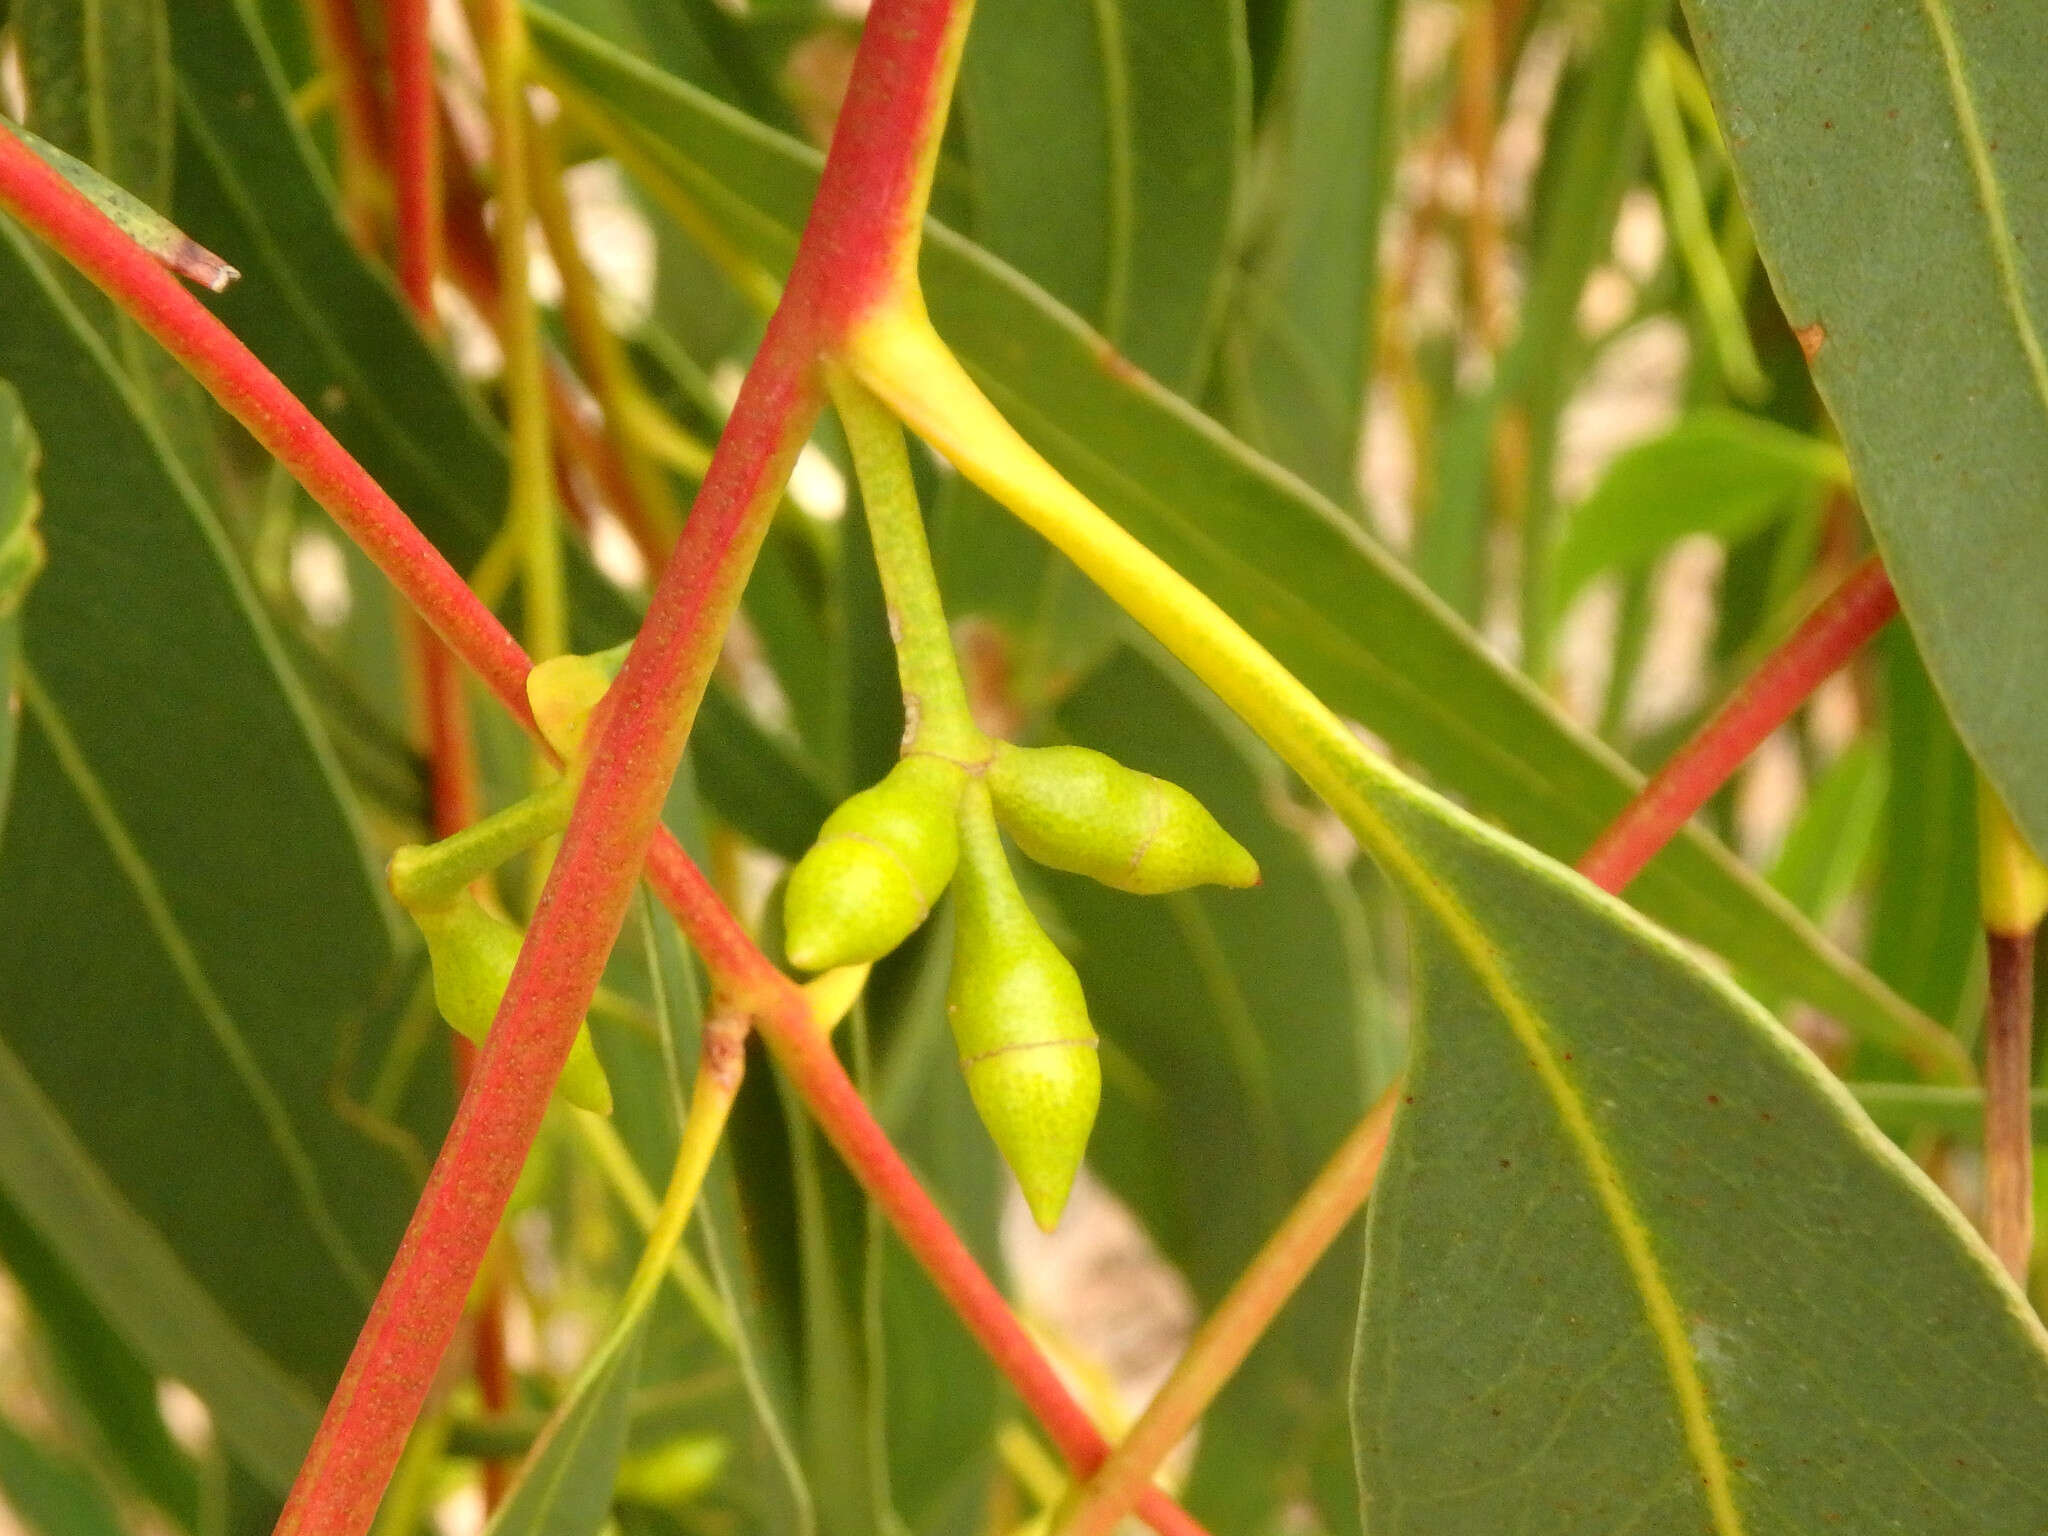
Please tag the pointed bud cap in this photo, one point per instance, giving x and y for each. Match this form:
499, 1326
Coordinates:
1076, 809
880, 862
472, 953
1020, 1024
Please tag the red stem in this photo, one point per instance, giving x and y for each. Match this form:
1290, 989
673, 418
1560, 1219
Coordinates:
362, 122
451, 751
2008, 1117
1830, 635
415, 152
62, 218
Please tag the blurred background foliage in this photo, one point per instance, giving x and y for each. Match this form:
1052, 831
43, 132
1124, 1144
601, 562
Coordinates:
1512, 403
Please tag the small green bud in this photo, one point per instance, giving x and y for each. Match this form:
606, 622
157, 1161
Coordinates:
563, 691
674, 1473
1075, 809
880, 862
473, 954
1020, 1023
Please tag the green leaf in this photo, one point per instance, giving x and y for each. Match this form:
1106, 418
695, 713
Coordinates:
1925, 928
98, 83
335, 330
1106, 139
131, 894
1831, 841
264, 1416
1297, 345
1891, 160
1636, 1262
565, 1485
53, 1494
21, 557
1297, 572
100, 1372
1719, 472
1240, 1042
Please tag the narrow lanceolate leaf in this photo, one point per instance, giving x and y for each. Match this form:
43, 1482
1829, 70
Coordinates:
1892, 159
1296, 346
97, 78
1107, 140
565, 1486
334, 328
21, 557
1621, 1268
1294, 569
1716, 472
186, 957
141, 223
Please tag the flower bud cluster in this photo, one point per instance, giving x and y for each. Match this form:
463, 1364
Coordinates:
1020, 1023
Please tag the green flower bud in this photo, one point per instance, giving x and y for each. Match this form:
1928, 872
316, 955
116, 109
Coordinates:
1019, 1022
473, 954
563, 691
880, 862
1075, 809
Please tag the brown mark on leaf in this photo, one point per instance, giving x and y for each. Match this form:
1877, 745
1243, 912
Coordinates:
1811, 339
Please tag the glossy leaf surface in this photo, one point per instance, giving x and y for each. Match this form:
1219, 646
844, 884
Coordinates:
1619, 1269
1891, 158
130, 893
1107, 141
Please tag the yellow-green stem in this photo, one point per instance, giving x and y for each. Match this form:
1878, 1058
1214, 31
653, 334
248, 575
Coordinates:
755, 285
935, 710
660, 434
431, 875
605, 365
601, 1139
531, 511
720, 1070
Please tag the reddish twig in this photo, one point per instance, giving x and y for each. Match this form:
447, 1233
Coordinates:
415, 141
451, 750
62, 218
345, 52
2008, 1113
1830, 635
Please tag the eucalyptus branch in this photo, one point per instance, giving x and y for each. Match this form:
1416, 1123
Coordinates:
457, 1218
415, 154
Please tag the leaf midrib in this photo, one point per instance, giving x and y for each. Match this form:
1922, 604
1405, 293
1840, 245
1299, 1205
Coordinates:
1631, 1232
2005, 255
